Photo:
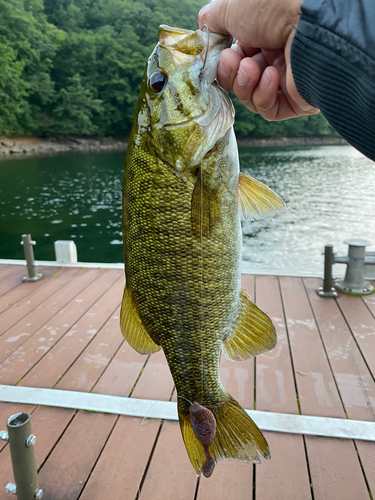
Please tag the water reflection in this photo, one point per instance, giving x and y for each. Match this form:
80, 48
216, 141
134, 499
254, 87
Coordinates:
329, 197
328, 191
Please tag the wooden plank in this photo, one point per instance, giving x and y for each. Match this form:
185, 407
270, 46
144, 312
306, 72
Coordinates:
156, 380
32, 322
121, 373
335, 471
47, 425
362, 324
87, 369
369, 300
247, 282
366, 452
10, 277
281, 477
330, 460
43, 289
275, 389
285, 476
25, 357
122, 464
316, 387
355, 383
16, 294
170, 475
67, 468
60, 357
136, 435
230, 480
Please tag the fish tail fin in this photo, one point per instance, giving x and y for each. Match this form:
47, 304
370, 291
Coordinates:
237, 436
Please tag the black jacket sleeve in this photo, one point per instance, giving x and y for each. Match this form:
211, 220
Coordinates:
333, 65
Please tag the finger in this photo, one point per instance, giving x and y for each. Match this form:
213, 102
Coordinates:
276, 58
275, 102
228, 67
266, 94
214, 15
245, 49
247, 79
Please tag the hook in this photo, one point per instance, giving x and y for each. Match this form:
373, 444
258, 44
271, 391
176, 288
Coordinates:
208, 45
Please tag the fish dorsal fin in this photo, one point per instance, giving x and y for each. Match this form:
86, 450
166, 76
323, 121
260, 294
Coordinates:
132, 327
256, 200
252, 333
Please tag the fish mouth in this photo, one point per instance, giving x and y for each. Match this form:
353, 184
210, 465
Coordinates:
214, 44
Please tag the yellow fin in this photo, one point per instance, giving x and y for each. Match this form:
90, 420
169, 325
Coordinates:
237, 437
204, 207
252, 334
132, 327
256, 200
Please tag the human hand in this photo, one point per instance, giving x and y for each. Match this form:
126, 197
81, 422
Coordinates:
257, 68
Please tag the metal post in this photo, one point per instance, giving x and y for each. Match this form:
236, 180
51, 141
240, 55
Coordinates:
21, 443
28, 244
353, 282
327, 289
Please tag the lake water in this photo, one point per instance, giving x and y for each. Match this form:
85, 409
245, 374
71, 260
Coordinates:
329, 192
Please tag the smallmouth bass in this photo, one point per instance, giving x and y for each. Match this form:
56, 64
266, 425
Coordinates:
183, 195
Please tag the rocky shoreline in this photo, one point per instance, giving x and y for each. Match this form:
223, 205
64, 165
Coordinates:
38, 146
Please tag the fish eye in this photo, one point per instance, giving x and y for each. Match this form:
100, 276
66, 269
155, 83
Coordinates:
157, 81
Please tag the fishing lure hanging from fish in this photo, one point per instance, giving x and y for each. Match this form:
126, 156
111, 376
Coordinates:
183, 197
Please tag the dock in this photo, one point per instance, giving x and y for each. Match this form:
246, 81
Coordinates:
62, 333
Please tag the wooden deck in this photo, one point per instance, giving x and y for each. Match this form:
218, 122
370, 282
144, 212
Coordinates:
62, 332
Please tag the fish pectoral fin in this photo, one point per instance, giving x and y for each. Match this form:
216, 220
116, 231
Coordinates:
205, 208
256, 200
132, 327
237, 436
252, 333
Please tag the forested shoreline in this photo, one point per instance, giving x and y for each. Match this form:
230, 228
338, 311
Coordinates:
73, 68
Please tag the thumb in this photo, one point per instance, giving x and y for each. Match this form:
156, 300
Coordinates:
214, 15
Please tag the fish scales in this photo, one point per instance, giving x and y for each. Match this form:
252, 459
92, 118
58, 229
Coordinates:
182, 198
186, 287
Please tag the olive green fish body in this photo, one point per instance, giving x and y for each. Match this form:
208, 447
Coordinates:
182, 199
186, 286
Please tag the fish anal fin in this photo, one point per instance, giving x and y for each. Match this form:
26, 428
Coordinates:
237, 437
205, 208
252, 333
132, 327
256, 200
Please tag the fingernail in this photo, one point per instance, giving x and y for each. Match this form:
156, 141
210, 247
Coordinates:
237, 48
265, 80
242, 77
224, 69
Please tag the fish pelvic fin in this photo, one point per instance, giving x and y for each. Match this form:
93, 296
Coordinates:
252, 333
256, 200
132, 327
237, 436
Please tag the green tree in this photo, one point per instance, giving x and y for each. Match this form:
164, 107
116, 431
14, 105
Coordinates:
75, 66
74, 109
13, 90
32, 42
